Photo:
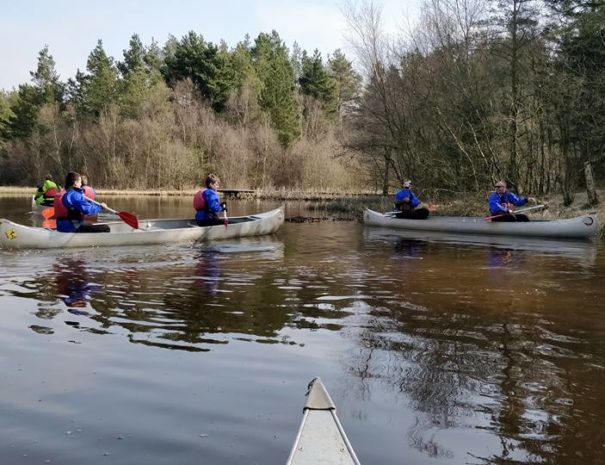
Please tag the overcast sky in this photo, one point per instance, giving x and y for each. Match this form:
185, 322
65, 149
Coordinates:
71, 28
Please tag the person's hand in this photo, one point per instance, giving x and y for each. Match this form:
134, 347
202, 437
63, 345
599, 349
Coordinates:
224, 206
532, 200
104, 205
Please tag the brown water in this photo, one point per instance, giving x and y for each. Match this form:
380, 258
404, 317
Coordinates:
435, 351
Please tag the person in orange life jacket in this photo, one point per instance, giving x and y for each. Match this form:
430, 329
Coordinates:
207, 203
408, 205
91, 194
45, 194
88, 190
501, 203
71, 206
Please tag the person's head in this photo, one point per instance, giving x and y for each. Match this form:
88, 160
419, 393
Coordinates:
73, 179
84, 180
212, 181
500, 186
407, 184
48, 177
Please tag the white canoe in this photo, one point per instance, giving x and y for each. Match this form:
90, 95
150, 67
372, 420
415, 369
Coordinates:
574, 228
155, 231
321, 440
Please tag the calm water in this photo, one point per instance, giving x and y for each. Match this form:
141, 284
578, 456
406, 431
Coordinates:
434, 351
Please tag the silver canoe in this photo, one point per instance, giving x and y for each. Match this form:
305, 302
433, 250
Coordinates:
576, 228
157, 231
321, 440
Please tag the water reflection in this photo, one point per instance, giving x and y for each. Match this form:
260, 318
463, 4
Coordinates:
73, 286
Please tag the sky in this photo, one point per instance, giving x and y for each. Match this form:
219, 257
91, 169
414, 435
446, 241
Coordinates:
71, 28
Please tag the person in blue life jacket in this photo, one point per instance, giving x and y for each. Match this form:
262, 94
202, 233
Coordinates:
501, 203
408, 205
207, 203
72, 206
45, 194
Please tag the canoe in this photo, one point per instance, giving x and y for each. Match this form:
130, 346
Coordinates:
154, 231
321, 440
581, 227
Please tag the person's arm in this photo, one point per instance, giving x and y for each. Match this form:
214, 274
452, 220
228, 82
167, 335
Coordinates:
515, 200
81, 203
214, 203
415, 201
494, 204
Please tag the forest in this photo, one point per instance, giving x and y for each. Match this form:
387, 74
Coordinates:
473, 92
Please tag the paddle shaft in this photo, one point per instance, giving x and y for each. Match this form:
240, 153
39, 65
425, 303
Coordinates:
518, 211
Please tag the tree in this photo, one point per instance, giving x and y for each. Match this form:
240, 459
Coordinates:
206, 66
348, 81
316, 82
46, 79
278, 91
96, 90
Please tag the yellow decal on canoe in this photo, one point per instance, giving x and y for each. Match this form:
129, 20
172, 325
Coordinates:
10, 234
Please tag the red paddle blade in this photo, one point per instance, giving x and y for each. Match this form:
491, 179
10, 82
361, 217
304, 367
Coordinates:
129, 219
48, 213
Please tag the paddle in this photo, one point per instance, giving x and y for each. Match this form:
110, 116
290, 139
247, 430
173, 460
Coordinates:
226, 219
487, 218
128, 218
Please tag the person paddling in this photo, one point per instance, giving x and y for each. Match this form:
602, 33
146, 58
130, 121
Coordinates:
71, 207
45, 194
408, 205
207, 203
501, 203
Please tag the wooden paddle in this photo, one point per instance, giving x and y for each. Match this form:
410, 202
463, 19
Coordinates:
226, 219
128, 218
487, 218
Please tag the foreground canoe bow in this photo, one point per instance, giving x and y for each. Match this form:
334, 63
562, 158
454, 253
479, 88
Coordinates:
581, 227
158, 231
321, 440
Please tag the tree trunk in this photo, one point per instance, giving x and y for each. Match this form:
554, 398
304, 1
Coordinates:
593, 199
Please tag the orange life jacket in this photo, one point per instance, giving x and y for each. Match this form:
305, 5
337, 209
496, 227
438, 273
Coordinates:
61, 211
89, 192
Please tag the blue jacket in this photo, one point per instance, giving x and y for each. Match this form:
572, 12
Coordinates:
75, 201
496, 202
405, 192
213, 206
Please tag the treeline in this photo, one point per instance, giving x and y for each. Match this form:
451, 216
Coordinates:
257, 114
484, 90
479, 90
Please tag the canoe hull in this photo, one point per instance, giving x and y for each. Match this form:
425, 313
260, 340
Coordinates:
154, 231
581, 227
321, 439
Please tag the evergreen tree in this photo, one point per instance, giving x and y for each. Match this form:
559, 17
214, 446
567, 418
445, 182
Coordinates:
348, 81
318, 83
97, 90
278, 91
46, 79
206, 66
